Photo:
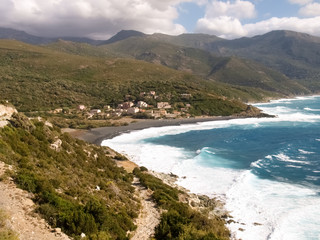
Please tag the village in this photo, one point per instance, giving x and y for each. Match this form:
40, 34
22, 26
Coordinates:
135, 109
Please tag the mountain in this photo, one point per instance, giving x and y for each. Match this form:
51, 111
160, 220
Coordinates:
124, 34
280, 61
8, 33
35, 78
159, 49
297, 55
294, 54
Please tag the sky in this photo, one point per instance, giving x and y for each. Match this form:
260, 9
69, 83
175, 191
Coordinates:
101, 19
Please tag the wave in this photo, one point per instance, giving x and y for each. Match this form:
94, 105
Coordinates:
284, 158
312, 110
305, 152
264, 207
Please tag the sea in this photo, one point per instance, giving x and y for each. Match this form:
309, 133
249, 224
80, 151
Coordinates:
266, 170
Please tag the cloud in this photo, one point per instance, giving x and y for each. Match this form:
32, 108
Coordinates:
300, 2
223, 18
224, 26
307, 25
237, 9
310, 10
232, 28
93, 18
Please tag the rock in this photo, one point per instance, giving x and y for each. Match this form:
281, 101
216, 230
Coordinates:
257, 224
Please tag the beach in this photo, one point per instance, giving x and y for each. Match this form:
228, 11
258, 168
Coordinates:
97, 135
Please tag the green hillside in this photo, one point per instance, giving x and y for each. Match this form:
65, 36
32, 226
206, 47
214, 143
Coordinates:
297, 55
78, 187
234, 71
36, 78
157, 49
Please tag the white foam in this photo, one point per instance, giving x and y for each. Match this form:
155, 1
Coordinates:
293, 166
305, 152
252, 200
284, 158
285, 211
312, 110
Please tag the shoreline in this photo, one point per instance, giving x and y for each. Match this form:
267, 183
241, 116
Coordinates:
97, 135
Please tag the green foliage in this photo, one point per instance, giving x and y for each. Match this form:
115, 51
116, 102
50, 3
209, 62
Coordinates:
180, 221
64, 181
37, 79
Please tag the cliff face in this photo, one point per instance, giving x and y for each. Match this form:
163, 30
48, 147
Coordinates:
5, 114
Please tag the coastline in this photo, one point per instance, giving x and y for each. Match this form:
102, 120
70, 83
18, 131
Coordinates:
97, 135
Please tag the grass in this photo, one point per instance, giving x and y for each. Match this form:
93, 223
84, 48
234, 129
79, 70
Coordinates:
5, 232
179, 220
64, 180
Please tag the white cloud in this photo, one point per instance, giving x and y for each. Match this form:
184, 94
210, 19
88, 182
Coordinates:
307, 25
224, 26
310, 10
90, 17
300, 2
223, 18
237, 9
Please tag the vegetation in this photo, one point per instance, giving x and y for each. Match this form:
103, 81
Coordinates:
37, 79
77, 186
179, 220
5, 232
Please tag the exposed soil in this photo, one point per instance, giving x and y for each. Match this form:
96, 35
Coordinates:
20, 208
149, 216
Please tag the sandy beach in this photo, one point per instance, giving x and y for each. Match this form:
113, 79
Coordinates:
97, 135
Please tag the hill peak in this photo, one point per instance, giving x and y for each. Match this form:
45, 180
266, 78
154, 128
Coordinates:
122, 35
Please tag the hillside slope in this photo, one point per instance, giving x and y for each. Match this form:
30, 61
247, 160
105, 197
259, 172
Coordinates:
297, 55
157, 49
35, 78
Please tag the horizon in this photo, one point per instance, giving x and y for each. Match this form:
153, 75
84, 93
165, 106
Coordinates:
102, 19
123, 30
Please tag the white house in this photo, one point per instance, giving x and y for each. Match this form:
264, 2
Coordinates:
133, 110
142, 104
164, 105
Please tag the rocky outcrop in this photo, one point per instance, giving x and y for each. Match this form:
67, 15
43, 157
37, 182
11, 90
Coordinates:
5, 114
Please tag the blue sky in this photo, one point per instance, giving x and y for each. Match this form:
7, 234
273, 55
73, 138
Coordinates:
100, 19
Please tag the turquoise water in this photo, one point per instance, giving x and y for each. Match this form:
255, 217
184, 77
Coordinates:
266, 170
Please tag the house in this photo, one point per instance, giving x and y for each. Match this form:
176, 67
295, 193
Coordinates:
164, 105
95, 111
81, 107
117, 114
127, 105
57, 110
142, 104
159, 113
152, 93
133, 110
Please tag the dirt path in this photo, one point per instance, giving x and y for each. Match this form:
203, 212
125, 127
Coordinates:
18, 206
149, 216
